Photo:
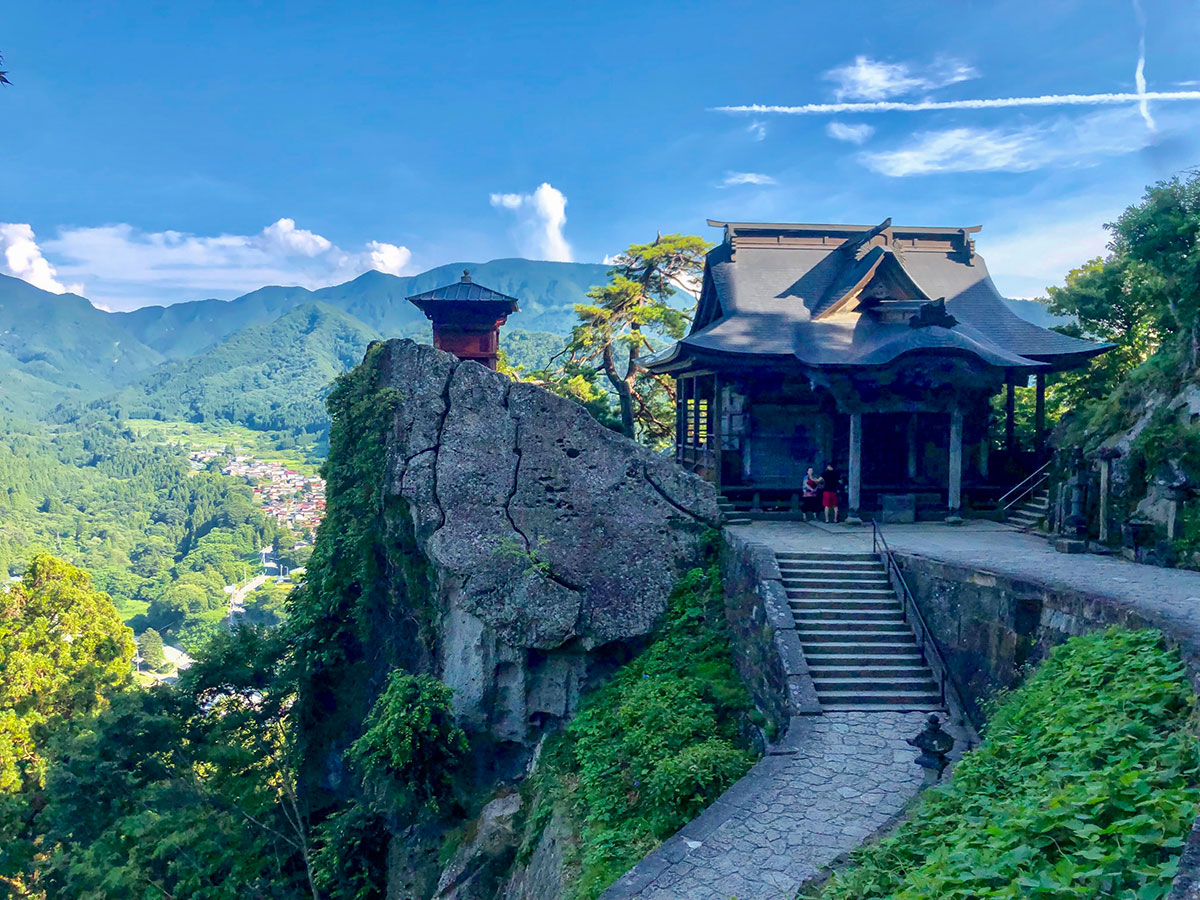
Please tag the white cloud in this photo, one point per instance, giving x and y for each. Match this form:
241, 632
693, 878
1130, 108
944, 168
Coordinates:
124, 267
734, 178
1063, 142
758, 130
541, 217
870, 79
854, 134
388, 258
23, 259
808, 109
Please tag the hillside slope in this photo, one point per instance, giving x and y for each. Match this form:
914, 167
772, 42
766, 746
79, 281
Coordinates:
269, 376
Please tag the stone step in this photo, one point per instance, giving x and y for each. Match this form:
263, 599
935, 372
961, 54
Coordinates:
801, 556
874, 584
856, 637
923, 684
844, 603
858, 593
789, 570
836, 700
915, 670
810, 626
936, 706
857, 650
861, 615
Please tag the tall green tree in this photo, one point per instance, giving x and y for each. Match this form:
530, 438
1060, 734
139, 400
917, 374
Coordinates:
150, 646
63, 652
638, 306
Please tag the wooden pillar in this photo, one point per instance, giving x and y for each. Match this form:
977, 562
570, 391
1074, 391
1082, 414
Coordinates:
695, 423
1010, 412
985, 448
714, 429
1039, 415
911, 439
854, 476
680, 417
1105, 474
956, 455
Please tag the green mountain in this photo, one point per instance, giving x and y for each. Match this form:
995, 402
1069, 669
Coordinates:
272, 376
58, 346
548, 292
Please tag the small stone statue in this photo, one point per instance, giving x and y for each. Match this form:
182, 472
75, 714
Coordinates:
935, 745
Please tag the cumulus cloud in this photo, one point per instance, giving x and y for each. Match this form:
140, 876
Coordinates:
124, 267
541, 218
871, 79
735, 178
1063, 142
853, 134
23, 259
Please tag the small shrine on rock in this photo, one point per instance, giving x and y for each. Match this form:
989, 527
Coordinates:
877, 349
466, 318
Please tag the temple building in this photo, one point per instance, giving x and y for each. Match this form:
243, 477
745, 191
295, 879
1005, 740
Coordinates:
877, 349
466, 318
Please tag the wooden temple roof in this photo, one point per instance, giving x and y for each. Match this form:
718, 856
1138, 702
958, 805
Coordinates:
833, 296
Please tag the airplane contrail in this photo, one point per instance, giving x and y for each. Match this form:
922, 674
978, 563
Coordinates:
808, 109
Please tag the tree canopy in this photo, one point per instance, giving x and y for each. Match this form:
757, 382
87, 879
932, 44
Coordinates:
639, 305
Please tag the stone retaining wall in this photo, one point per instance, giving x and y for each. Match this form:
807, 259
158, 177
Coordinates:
766, 646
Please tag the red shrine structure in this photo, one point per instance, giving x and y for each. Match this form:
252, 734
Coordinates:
466, 318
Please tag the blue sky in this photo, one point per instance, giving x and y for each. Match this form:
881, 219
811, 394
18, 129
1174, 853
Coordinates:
160, 152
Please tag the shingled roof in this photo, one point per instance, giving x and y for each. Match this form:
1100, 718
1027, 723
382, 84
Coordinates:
464, 291
839, 295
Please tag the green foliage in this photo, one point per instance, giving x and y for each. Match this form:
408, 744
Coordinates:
63, 651
363, 609
652, 747
161, 540
184, 792
1084, 787
410, 747
637, 304
150, 646
350, 860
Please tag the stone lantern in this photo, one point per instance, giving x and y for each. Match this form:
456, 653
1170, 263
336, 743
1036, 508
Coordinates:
466, 318
935, 745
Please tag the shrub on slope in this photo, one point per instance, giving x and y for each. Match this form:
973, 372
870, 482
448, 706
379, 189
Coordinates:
1084, 787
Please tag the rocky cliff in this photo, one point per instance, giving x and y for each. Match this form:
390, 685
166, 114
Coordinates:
551, 539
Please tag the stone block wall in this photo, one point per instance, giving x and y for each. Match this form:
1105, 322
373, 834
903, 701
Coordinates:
766, 646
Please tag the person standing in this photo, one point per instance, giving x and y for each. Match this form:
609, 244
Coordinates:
811, 496
831, 488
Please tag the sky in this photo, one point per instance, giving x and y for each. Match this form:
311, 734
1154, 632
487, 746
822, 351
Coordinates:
156, 152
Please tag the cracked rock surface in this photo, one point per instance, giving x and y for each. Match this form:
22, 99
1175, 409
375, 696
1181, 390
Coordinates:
551, 537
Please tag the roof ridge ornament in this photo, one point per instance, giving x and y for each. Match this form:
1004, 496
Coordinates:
860, 245
466, 276
932, 314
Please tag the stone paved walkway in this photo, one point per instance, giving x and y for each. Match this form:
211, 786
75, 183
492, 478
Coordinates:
839, 778
1169, 596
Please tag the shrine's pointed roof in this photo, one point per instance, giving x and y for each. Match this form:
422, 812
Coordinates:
847, 295
464, 290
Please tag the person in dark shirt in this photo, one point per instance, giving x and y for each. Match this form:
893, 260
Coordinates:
831, 487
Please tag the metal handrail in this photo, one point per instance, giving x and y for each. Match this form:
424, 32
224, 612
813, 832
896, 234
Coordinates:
1019, 492
933, 655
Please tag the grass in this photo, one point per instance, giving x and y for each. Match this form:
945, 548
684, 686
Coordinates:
1084, 787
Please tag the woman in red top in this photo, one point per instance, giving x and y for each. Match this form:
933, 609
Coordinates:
811, 496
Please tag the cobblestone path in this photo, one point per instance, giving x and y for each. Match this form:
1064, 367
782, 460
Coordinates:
837, 779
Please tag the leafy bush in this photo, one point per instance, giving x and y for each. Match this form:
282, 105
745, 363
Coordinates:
1085, 787
410, 747
654, 746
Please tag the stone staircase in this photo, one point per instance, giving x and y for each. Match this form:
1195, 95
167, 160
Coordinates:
861, 652
1031, 510
730, 514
